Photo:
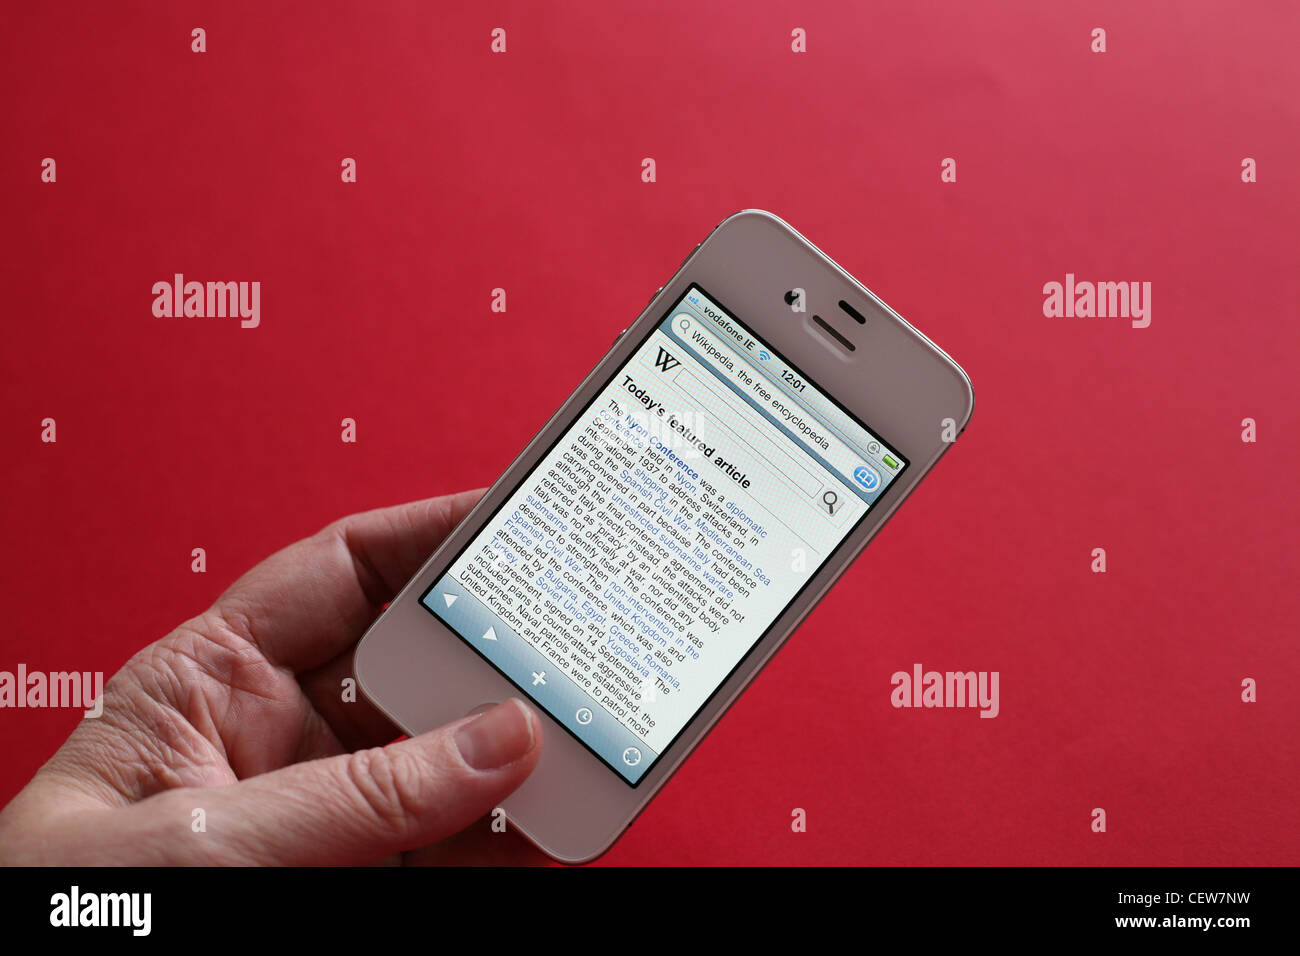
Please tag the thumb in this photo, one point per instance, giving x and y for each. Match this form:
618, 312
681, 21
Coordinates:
361, 807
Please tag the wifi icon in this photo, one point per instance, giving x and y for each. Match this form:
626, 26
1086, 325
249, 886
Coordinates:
762, 353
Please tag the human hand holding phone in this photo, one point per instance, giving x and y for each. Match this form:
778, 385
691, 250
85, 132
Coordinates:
240, 713
630, 574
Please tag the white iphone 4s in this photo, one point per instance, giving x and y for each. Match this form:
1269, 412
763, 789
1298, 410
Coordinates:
671, 524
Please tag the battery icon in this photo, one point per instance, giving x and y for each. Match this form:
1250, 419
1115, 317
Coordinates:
888, 460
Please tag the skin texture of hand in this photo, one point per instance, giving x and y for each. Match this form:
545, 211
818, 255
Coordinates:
240, 712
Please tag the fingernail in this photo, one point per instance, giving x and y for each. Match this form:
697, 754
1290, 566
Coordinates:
496, 737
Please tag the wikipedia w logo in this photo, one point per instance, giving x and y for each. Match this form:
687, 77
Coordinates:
666, 362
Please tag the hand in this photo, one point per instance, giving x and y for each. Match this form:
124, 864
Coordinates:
240, 713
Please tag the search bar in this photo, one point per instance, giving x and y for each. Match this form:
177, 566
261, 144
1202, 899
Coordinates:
843, 460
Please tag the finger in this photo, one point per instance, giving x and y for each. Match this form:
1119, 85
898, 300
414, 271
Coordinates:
365, 806
308, 603
356, 722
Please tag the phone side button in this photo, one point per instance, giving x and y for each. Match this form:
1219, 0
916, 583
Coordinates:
617, 337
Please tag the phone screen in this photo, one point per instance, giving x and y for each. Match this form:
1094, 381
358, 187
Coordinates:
657, 541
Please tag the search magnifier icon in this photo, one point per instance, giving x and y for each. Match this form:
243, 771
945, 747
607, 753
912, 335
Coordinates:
830, 501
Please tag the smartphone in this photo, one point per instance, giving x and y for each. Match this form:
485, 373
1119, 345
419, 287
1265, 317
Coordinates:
670, 526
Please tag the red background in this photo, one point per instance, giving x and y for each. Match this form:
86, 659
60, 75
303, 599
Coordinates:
522, 171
